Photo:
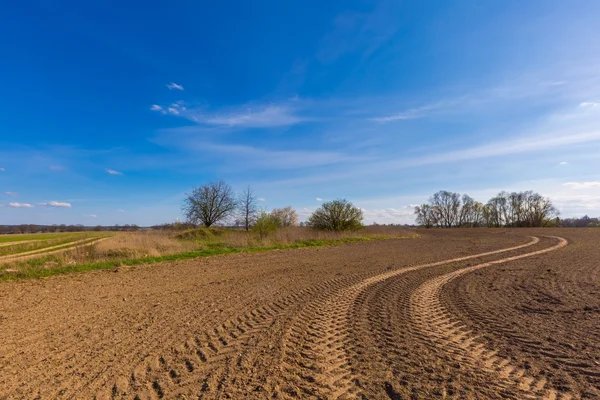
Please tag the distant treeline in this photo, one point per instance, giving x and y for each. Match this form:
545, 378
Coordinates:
32, 228
517, 209
583, 222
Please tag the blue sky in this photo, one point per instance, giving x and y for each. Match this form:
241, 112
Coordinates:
111, 111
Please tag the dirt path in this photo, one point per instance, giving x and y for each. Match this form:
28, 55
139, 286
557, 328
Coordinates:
16, 243
50, 250
367, 320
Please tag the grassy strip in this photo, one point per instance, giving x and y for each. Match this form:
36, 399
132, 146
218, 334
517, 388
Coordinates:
18, 247
216, 250
41, 236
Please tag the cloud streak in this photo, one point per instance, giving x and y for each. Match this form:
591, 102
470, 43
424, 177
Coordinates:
20, 205
582, 185
57, 204
174, 86
113, 172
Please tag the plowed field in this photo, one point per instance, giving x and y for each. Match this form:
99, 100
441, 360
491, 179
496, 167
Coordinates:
457, 314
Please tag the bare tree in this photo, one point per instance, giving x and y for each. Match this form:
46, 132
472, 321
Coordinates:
447, 206
336, 215
209, 204
287, 216
247, 208
426, 215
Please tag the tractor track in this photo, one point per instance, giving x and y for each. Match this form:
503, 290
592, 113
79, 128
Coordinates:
391, 334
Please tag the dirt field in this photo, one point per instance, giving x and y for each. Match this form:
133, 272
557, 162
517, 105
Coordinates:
461, 314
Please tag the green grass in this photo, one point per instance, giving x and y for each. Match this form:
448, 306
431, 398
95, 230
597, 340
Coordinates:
35, 268
15, 248
37, 236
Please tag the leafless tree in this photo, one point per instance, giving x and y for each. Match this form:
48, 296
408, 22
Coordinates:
287, 216
426, 215
209, 204
517, 209
447, 206
247, 208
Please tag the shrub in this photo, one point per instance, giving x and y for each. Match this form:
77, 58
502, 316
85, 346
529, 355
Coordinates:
265, 224
337, 215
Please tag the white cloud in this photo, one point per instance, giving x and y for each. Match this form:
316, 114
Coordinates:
563, 163
261, 199
319, 199
260, 157
91, 215
56, 204
173, 111
258, 117
589, 104
120, 210
156, 107
113, 172
173, 85
2, 169
20, 205
413, 113
388, 215
582, 185
11, 194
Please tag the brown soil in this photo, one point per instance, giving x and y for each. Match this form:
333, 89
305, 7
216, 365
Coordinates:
402, 319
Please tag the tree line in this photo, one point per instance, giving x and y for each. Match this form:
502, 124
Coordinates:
583, 222
216, 203
517, 209
33, 228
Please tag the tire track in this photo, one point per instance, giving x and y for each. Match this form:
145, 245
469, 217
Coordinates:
212, 360
440, 329
206, 359
50, 250
316, 360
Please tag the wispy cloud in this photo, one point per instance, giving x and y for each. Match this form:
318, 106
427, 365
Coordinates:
261, 116
362, 32
56, 168
120, 210
318, 199
413, 113
11, 194
589, 104
91, 215
20, 205
173, 86
273, 158
155, 107
582, 185
2, 169
59, 204
113, 172
261, 199
563, 163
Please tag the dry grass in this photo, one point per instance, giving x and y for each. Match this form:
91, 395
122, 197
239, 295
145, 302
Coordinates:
154, 246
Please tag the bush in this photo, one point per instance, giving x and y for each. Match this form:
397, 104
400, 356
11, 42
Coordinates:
266, 224
337, 215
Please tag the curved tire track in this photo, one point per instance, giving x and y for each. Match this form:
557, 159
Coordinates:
320, 335
437, 325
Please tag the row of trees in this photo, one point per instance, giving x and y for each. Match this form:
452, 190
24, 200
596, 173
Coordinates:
216, 202
583, 222
32, 228
517, 209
